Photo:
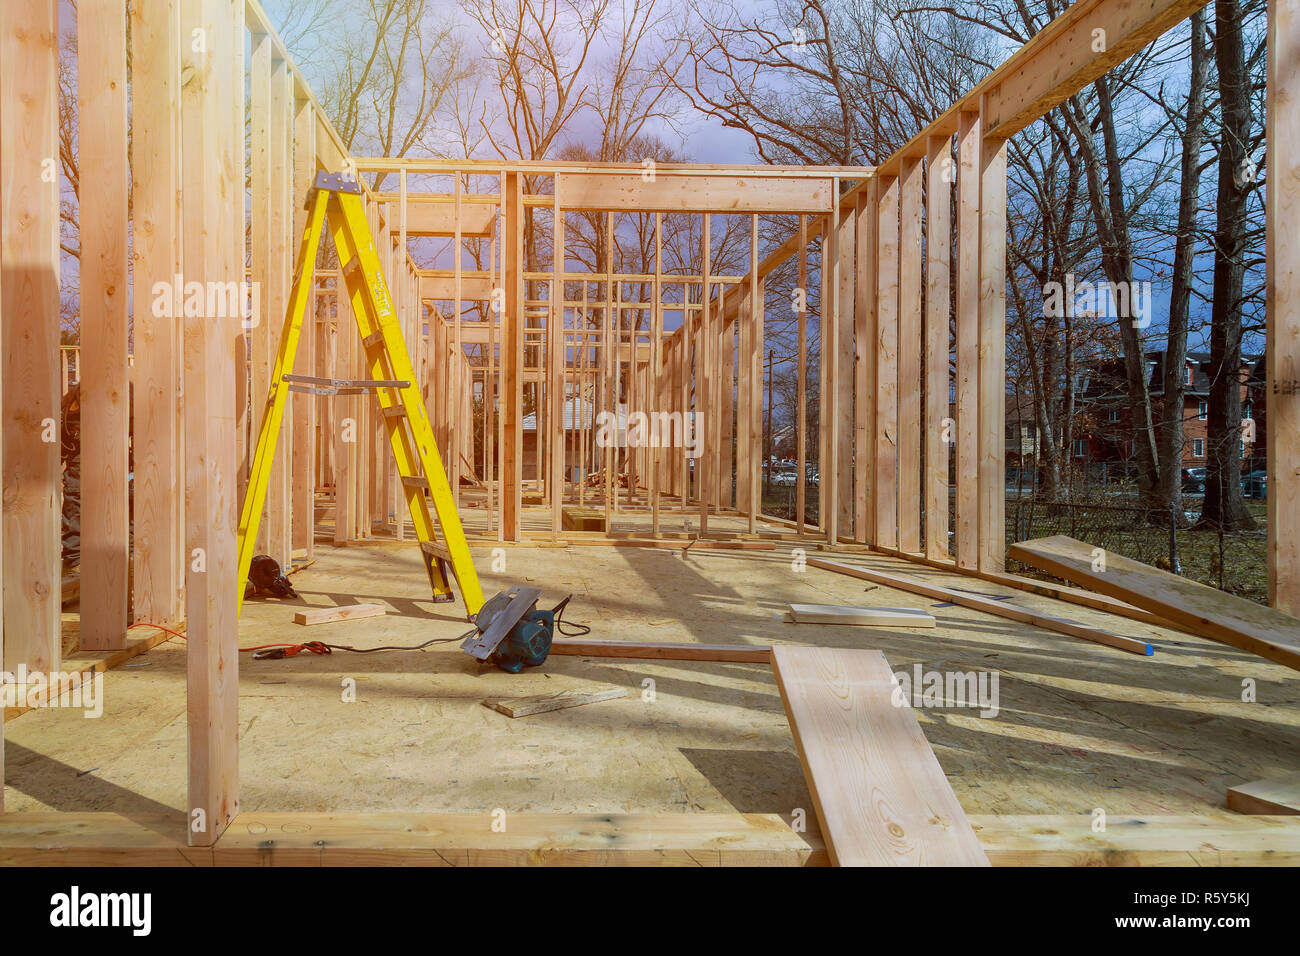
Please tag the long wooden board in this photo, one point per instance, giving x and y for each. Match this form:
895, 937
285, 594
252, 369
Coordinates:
1070, 840
1276, 795
999, 608
1204, 610
414, 839
846, 614
732, 653
881, 797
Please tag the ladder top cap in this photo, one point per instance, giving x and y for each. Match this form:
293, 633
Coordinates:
338, 182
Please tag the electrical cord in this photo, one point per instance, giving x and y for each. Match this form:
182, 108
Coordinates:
264, 652
575, 630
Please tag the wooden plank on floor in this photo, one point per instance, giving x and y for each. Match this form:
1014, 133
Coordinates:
414, 839
45, 838
881, 797
561, 700
1273, 796
1069, 840
348, 612
989, 606
734, 653
846, 614
1207, 611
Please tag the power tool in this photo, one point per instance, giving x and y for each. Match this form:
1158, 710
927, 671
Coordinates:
511, 632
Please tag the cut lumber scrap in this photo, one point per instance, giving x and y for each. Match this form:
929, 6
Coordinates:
413, 839
1140, 841
734, 653
847, 614
1278, 795
1205, 610
881, 797
348, 612
583, 519
999, 608
544, 703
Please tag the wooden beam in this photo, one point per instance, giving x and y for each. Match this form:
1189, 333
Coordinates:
1205, 610
636, 650
416, 839
940, 173
845, 371
801, 426
1279, 795
696, 193
1089, 39
1047, 622
438, 218
881, 797
279, 504
556, 355
29, 261
910, 346
968, 304
303, 470
211, 115
155, 161
1160, 840
1282, 333
992, 383
885, 457
441, 287
864, 367
105, 388
512, 357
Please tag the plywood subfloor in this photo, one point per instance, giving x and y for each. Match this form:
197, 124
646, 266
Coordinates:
1079, 727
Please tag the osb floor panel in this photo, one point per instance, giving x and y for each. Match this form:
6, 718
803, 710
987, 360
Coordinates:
1080, 726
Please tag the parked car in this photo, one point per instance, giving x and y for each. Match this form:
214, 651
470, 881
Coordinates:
1255, 484
1193, 485
783, 478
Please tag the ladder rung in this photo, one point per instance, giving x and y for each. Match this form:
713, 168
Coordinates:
313, 385
415, 481
436, 549
374, 338
395, 411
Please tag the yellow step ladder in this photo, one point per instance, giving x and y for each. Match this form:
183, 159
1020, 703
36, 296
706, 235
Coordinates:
337, 197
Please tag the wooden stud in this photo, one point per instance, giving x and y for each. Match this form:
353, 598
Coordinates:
209, 105
992, 383
909, 356
801, 426
29, 202
845, 370
938, 423
1282, 352
968, 343
886, 378
512, 357
864, 368
304, 405
556, 355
